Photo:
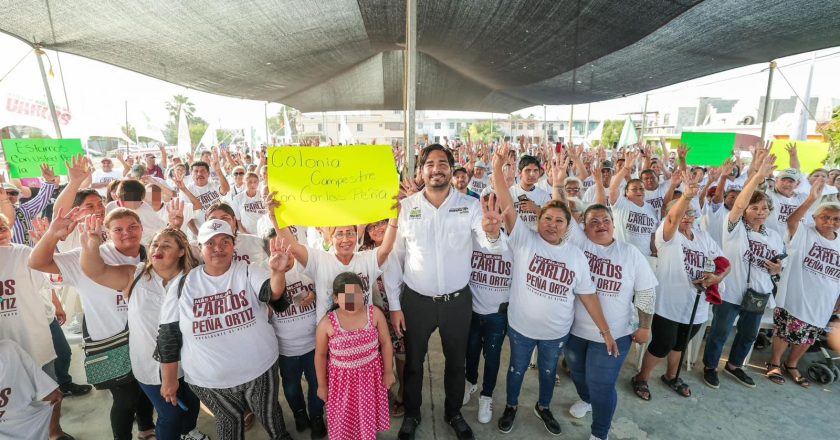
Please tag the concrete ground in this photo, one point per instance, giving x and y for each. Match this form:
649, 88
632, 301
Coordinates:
732, 412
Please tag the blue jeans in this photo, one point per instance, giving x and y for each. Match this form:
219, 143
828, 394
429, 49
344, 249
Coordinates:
487, 333
292, 369
548, 353
62, 351
721, 328
172, 421
595, 373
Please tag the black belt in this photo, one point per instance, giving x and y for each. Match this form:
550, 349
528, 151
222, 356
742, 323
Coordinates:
440, 298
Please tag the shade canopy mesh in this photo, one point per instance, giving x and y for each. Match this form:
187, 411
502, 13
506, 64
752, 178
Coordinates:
485, 55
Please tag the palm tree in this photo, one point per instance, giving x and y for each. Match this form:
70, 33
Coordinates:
174, 107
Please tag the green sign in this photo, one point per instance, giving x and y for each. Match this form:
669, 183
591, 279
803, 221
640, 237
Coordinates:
708, 149
25, 156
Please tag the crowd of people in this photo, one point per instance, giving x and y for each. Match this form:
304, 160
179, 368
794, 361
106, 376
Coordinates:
189, 294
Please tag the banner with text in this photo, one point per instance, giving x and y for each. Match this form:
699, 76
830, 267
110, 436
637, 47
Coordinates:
25, 156
812, 154
333, 186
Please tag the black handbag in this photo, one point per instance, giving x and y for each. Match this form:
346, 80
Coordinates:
754, 301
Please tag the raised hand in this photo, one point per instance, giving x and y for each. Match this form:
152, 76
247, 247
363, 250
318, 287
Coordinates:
90, 230
280, 254
78, 169
175, 213
692, 187
40, 225
817, 188
676, 177
791, 149
63, 223
48, 174
767, 166
682, 151
408, 187
493, 215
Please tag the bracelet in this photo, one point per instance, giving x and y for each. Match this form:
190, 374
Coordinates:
604, 332
392, 226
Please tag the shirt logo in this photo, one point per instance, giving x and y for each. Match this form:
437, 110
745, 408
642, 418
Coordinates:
460, 210
414, 214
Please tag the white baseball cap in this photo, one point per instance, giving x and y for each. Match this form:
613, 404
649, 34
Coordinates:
212, 228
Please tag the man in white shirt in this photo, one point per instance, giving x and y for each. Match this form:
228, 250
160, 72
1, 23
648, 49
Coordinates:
203, 193
101, 178
480, 179
248, 205
527, 198
436, 228
785, 199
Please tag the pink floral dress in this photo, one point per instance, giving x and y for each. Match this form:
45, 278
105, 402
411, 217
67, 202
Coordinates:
357, 405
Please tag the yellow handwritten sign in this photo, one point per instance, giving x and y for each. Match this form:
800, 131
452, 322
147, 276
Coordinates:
333, 186
812, 154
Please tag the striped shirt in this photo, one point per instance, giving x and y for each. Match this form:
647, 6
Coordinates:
25, 212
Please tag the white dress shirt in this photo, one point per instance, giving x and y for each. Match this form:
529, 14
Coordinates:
434, 246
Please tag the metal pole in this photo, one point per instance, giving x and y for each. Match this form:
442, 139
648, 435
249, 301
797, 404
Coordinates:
586, 129
410, 81
571, 124
127, 131
545, 127
767, 100
267, 140
39, 52
644, 122
492, 124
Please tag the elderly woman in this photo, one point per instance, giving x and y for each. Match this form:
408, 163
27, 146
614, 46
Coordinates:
144, 286
809, 291
213, 323
635, 219
624, 282
548, 274
683, 252
752, 249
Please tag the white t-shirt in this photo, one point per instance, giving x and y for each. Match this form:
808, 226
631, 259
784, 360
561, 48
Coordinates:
635, 224
588, 183
100, 176
250, 249
545, 278
23, 385
323, 267
151, 220
249, 210
490, 278
714, 220
144, 306
105, 308
22, 309
680, 261
783, 207
536, 195
810, 282
656, 198
762, 247
227, 337
295, 326
618, 271
208, 195
478, 185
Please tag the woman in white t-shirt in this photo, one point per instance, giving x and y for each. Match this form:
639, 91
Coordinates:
214, 323
809, 291
683, 252
635, 220
751, 248
26, 395
548, 274
625, 285
323, 266
144, 286
248, 205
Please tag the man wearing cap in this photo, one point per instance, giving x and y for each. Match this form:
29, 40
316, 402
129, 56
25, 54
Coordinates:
152, 168
32, 208
480, 179
785, 199
606, 176
213, 322
461, 180
101, 178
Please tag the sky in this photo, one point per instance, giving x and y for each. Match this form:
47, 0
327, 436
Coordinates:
98, 94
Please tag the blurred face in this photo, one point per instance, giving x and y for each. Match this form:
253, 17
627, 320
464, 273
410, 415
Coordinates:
92, 205
827, 222
460, 180
606, 175
552, 225
5, 234
150, 161
729, 199
479, 172
125, 232
697, 173
529, 175
817, 175
253, 183
572, 189
598, 227
352, 299
635, 192
344, 240
832, 176
239, 176
377, 231
650, 181
205, 156
200, 175
656, 167
107, 165
436, 170
223, 216
218, 251
14, 196
165, 252
757, 213
264, 173
785, 186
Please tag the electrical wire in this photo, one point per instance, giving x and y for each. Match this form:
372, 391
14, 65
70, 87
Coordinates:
798, 98
16, 65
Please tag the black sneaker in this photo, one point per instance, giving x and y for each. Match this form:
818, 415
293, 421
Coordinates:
319, 429
740, 375
551, 424
408, 428
461, 428
301, 420
710, 376
506, 422
71, 389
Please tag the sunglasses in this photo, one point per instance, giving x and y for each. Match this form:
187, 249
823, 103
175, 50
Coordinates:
238, 174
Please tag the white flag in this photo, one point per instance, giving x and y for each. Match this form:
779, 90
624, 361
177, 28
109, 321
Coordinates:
184, 142
628, 134
209, 139
287, 129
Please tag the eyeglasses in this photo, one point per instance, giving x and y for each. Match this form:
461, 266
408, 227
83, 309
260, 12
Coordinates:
829, 218
377, 225
343, 235
572, 190
238, 174
12, 193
